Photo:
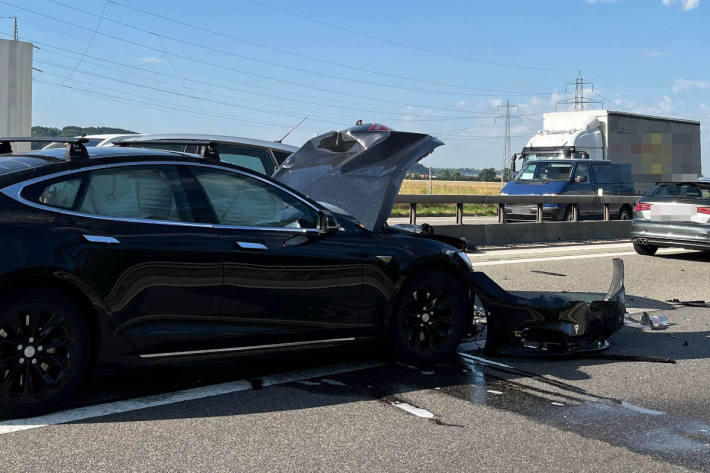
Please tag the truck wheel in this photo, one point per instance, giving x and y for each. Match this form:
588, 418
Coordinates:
430, 318
645, 250
44, 351
625, 214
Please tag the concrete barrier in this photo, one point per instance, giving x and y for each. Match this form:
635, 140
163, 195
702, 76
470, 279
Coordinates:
503, 234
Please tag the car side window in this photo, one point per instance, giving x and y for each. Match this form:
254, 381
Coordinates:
61, 194
583, 170
136, 192
256, 159
240, 200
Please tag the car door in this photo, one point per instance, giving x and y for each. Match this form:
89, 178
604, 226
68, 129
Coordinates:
139, 247
582, 184
284, 282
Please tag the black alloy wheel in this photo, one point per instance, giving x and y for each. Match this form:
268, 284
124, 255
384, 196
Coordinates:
625, 214
430, 318
43, 351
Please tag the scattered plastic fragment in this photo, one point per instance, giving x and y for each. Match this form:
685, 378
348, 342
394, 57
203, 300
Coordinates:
689, 303
656, 322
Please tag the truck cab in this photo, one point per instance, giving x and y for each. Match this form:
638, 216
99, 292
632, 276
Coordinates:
568, 176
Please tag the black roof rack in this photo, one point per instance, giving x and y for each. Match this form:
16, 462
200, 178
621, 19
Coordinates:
75, 146
209, 148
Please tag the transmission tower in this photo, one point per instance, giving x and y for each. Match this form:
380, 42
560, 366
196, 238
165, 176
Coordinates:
14, 29
578, 100
507, 147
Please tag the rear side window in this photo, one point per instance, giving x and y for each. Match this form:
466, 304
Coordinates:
256, 159
131, 192
681, 190
61, 194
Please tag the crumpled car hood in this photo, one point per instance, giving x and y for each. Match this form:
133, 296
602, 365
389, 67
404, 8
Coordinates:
359, 169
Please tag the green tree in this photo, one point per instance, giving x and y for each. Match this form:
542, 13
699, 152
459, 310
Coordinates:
488, 174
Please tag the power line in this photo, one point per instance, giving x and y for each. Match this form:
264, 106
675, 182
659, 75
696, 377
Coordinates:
223, 87
220, 66
406, 45
292, 53
270, 63
88, 46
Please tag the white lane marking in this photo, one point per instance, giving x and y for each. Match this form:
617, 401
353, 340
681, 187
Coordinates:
553, 249
641, 410
417, 411
570, 257
117, 407
492, 391
483, 361
554, 403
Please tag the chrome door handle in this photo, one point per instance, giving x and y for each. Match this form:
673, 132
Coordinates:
248, 245
109, 240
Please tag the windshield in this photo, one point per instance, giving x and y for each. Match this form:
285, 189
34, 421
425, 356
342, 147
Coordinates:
681, 190
545, 171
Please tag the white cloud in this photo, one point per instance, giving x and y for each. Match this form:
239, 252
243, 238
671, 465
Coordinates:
685, 4
680, 85
648, 52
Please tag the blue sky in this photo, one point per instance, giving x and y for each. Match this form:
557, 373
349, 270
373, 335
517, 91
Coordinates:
257, 67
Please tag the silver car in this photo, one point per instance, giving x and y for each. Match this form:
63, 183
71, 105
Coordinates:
672, 214
258, 155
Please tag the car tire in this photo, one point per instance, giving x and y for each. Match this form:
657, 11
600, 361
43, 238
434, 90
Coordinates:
430, 318
645, 250
44, 351
625, 214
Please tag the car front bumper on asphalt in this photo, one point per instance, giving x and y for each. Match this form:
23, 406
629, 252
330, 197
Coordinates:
671, 234
551, 324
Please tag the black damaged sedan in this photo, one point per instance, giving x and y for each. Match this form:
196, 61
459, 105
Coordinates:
124, 256
129, 256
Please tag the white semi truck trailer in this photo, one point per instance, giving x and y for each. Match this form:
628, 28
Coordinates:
656, 148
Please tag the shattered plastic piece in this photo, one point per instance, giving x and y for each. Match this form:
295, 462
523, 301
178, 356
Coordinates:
551, 324
656, 322
690, 303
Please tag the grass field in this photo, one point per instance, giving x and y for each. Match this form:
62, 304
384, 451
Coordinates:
448, 188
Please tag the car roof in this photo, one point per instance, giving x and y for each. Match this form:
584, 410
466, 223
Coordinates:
189, 137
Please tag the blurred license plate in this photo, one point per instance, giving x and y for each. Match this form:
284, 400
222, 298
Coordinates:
672, 212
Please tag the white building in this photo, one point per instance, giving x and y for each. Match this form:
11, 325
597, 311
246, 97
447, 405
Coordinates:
16, 90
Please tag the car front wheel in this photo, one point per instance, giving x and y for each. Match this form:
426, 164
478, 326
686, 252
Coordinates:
44, 351
430, 318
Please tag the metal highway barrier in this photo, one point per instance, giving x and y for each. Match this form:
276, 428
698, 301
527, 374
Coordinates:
538, 230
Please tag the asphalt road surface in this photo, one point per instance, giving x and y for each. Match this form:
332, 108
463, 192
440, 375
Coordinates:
353, 410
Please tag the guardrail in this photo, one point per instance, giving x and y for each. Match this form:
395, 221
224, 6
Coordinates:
500, 200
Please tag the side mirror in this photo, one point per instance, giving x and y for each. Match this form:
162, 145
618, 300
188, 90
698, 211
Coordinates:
327, 223
579, 179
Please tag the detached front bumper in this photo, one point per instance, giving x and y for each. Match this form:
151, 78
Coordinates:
552, 324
